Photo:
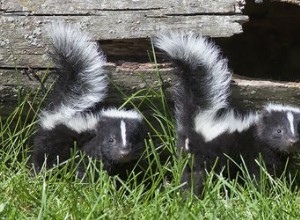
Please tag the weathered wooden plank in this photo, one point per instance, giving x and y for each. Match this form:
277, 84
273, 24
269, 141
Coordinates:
254, 93
94, 7
131, 77
23, 43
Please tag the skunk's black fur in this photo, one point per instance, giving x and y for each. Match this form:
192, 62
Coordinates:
71, 117
210, 128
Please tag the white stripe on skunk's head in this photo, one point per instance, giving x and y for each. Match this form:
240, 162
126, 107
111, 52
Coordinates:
123, 132
49, 119
290, 118
281, 108
126, 114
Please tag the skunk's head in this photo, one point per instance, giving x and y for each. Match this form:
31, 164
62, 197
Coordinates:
278, 127
120, 135
121, 140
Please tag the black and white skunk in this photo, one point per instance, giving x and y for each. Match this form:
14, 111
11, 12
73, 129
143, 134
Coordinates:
72, 119
210, 128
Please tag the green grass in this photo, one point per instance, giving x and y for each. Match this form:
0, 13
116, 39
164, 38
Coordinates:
56, 194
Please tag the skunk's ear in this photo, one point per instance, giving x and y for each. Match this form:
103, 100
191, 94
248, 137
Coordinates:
264, 115
103, 122
103, 119
262, 121
264, 112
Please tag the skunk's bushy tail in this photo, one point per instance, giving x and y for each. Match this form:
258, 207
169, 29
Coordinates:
82, 80
203, 73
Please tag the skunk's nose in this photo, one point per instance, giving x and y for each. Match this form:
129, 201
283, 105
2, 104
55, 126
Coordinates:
293, 140
124, 152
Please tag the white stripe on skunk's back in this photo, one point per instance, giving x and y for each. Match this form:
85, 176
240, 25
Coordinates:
78, 122
281, 108
210, 128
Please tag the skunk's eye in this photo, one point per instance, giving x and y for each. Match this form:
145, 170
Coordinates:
110, 140
278, 131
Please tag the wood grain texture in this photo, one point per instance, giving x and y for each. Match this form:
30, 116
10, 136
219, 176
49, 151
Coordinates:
23, 41
131, 77
95, 7
22, 22
24, 44
124, 27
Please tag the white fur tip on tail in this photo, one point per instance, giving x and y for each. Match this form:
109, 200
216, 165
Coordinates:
78, 58
202, 57
180, 44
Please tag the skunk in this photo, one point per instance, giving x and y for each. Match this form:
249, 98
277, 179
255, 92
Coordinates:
73, 119
219, 136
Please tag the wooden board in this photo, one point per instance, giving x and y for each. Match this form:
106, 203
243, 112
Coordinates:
24, 44
95, 7
122, 25
23, 41
131, 77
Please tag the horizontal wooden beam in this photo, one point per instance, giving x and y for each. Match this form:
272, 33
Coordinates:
23, 41
22, 37
95, 7
131, 77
